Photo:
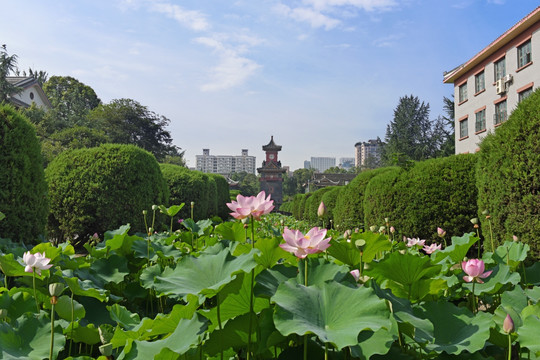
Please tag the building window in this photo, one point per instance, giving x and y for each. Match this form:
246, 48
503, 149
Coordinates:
480, 123
479, 82
524, 54
525, 94
463, 93
464, 128
500, 113
500, 69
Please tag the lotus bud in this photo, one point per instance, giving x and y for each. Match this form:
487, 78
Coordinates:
373, 228
387, 220
321, 211
357, 230
3, 314
515, 238
192, 203
347, 234
382, 229
106, 350
154, 207
392, 229
441, 232
508, 324
144, 212
56, 289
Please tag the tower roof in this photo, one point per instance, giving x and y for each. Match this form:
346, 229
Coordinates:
271, 146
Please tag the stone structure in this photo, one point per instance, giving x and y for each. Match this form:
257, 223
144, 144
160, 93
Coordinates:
272, 173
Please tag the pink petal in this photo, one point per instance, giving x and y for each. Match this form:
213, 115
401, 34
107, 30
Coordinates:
468, 278
486, 274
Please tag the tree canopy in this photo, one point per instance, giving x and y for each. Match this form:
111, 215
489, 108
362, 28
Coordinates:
8, 64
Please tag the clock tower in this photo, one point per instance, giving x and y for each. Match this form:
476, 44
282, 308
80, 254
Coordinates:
271, 173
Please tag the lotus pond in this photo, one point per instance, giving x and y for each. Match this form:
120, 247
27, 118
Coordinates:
229, 291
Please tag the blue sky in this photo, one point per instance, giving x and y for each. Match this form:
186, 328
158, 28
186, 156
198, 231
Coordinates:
318, 75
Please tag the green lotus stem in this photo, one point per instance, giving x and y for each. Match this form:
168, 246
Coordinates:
251, 290
170, 231
306, 284
479, 241
219, 325
491, 236
34, 285
473, 299
325, 351
361, 266
509, 347
72, 319
53, 300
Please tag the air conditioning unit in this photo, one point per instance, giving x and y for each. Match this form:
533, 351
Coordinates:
500, 86
508, 78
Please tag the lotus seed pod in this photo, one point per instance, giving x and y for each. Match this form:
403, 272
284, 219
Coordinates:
56, 289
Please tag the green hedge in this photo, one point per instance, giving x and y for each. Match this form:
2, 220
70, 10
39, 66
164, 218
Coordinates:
302, 206
508, 177
296, 205
349, 210
98, 189
212, 196
433, 193
186, 186
316, 199
329, 199
23, 190
223, 195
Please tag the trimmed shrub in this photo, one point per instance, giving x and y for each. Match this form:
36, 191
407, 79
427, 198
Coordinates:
316, 199
349, 210
433, 193
98, 189
212, 196
296, 205
508, 177
223, 196
330, 198
381, 198
23, 190
302, 205
186, 186
306, 215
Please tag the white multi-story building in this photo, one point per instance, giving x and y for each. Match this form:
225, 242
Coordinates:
225, 164
489, 86
367, 150
320, 164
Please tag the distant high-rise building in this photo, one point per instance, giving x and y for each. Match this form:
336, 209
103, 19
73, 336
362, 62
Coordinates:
367, 153
346, 162
307, 164
320, 164
225, 164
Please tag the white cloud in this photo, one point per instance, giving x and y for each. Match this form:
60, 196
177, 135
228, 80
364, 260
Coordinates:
367, 5
387, 41
233, 68
194, 20
305, 14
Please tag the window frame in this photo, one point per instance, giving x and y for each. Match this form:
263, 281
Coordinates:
524, 58
464, 128
496, 115
496, 68
482, 122
480, 82
462, 93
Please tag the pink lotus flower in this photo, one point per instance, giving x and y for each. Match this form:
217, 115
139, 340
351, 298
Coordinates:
474, 269
432, 248
36, 261
321, 211
356, 274
414, 241
441, 232
301, 245
392, 229
246, 206
508, 324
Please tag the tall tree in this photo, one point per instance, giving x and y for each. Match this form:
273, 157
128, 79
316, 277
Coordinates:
71, 100
8, 64
410, 133
125, 121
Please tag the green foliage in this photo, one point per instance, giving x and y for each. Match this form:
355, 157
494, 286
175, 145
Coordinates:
223, 195
249, 183
349, 209
8, 64
433, 193
211, 191
380, 198
186, 186
92, 190
508, 177
296, 205
302, 206
315, 201
71, 100
23, 190
330, 199
125, 121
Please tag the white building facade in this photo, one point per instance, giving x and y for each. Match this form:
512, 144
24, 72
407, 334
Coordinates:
366, 150
225, 164
320, 164
488, 87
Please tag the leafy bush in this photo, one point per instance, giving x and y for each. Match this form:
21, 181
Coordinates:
23, 190
329, 199
223, 196
349, 210
187, 186
302, 205
96, 189
306, 215
508, 177
296, 205
433, 193
212, 196
381, 198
